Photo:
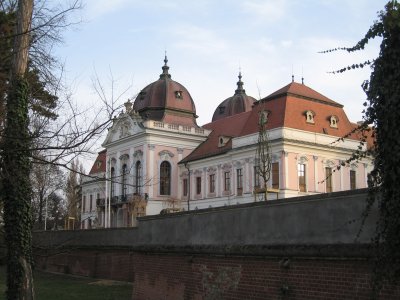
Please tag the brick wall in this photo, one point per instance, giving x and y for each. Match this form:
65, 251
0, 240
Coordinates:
214, 276
304, 248
207, 277
100, 263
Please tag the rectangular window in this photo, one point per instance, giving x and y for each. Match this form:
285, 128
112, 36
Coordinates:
328, 180
83, 203
275, 175
352, 180
212, 183
302, 177
198, 185
256, 176
185, 187
227, 181
90, 203
239, 178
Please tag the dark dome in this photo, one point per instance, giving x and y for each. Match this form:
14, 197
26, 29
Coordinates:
236, 104
166, 100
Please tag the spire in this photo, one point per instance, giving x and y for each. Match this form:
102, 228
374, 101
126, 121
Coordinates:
292, 74
165, 68
240, 89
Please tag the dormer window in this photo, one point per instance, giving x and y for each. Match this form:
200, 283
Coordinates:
333, 121
98, 164
223, 140
221, 109
178, 94
310, 116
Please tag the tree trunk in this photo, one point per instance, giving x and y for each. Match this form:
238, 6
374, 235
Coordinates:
16, 167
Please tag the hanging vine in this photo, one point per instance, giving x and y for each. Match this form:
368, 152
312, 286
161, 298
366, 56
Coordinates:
17, 194
382, 112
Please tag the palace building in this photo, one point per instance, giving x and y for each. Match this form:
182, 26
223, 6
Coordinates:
157, 159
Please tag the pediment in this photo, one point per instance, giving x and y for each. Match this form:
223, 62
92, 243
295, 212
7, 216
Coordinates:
123, 127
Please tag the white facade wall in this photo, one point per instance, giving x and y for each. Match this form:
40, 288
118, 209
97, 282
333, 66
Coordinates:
289, 148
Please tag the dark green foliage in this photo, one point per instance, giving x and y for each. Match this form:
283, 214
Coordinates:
382, 112
16, 192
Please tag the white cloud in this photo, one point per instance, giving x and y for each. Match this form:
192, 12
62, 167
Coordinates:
200, 40
268, 10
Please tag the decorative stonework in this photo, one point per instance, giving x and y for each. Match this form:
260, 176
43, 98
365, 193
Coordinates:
354, 167
124, 129
227, 167
198, 172
237, 164
184, 174
211, 170
275, 157
328, 162
165, 154
138, 153
124, 157
303, 159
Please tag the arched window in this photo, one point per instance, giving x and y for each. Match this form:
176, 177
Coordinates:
112, 191
165, 178
138, 178
124, 179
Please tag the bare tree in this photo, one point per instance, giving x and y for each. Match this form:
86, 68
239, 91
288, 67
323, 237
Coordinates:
263, 154
46, 180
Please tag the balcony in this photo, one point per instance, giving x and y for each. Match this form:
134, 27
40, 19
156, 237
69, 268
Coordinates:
122, 199
100, 202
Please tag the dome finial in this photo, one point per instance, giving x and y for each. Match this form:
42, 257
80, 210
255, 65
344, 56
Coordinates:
165, 68
240, 89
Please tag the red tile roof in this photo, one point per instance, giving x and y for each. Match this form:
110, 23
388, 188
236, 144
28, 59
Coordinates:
301, 90
99, 165
287, 107
228, 127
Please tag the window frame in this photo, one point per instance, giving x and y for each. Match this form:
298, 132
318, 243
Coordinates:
138, 177
198, 185
302, 177
353, 179
328, 180
165, 178
124, 183
211, 183
239, 178
185, 187
112, 186
275, 175
227, 181
256, 177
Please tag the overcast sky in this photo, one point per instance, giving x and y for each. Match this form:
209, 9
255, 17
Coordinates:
208, 40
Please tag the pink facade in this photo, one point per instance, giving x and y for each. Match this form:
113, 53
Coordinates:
158, 156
